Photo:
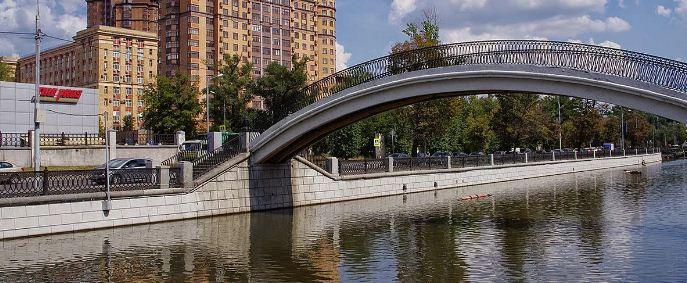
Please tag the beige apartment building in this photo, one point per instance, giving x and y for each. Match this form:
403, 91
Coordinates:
118, 62
195, 34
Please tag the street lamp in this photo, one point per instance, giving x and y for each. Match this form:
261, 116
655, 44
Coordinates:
207, 101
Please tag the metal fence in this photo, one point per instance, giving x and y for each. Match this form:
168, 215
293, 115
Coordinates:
228, 150
662, 72
59, 139
43, 183
420, 163
367, 166
143, 138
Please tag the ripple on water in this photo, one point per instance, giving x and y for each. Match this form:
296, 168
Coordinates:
602, 226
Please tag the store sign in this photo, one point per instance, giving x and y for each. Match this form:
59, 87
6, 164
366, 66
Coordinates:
60, 95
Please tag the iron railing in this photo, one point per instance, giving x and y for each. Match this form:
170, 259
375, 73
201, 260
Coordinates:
60, 139
143, 138
228, 150
189, 156
43, 183
367, 166
662, 72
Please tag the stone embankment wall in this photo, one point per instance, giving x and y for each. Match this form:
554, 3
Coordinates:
245, 188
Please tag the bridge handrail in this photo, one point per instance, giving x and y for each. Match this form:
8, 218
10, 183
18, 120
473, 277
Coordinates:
662, 72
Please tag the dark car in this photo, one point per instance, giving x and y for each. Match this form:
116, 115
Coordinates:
460, 154
399, 155
441, 154
477, 154
122, 171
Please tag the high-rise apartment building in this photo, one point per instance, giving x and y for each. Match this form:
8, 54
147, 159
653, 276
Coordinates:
118, 62
141, 15
195, 34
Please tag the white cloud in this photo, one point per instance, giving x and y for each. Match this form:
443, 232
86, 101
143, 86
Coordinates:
607, 43
558, 26
663, 11
342, 57
58, 18
401, 8
681, 8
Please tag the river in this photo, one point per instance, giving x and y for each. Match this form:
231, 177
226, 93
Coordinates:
598, 226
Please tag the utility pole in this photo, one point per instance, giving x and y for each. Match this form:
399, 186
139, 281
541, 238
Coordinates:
37, 115
560, 126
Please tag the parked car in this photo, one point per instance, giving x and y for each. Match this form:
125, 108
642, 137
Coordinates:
441, 154
192, 149
477, 153
7, 167
118, 167
399, 155
460, 154
500, 152
422, 154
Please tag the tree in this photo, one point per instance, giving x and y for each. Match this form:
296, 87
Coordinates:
5, 72
346, 142
585, 126
282, 89
128, 123
172, 105
638, 129
521, 121
231, 93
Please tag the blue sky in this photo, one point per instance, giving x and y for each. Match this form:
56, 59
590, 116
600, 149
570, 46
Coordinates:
368, 28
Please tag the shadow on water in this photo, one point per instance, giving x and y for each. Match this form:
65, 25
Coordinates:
601, 226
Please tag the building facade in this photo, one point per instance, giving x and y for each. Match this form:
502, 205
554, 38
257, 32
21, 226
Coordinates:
141, 15
66, 110
119, 63
195, 34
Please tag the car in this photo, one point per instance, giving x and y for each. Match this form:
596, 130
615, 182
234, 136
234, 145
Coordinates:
192, 149
7, 167
118, 167
460, 154
477, 153
441, 154
399, 155
500, 152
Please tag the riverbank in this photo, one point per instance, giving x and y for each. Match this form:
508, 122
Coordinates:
246, 188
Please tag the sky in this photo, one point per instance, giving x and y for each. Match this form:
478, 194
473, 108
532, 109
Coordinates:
366, 29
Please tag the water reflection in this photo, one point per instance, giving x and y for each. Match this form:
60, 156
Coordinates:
603, 226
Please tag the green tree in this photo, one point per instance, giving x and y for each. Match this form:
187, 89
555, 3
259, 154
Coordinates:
231, 93
479, 112
128, 123
172, 105
521, 121
282, 89
5, 72
585, 126
346, 142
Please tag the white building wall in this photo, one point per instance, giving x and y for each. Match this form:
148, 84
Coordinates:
17, 111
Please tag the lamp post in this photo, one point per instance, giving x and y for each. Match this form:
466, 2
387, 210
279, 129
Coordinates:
560, 127
207, 101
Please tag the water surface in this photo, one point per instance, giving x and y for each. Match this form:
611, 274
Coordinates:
601, 226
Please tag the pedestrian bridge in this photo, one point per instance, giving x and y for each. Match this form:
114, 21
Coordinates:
630, 79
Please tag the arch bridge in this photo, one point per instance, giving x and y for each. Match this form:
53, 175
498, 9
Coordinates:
630, 79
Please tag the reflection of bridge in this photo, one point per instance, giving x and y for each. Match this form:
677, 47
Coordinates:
644, 82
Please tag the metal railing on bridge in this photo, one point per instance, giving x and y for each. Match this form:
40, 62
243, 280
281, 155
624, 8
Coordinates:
662, 72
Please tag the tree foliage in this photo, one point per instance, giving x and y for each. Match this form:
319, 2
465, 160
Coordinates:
231, 94
128, 123
5, 72
172, 105
282, 89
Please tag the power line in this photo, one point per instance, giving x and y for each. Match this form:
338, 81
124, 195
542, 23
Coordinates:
57, 38
16, 33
